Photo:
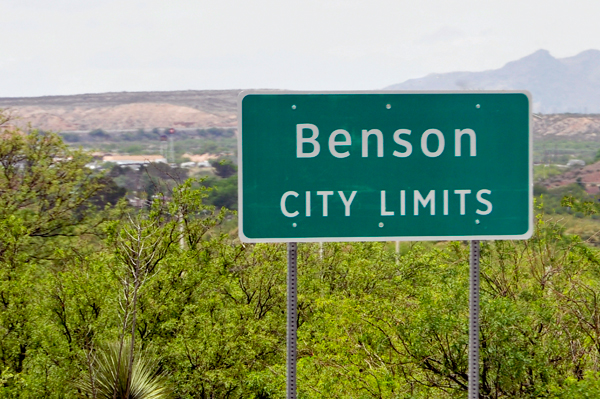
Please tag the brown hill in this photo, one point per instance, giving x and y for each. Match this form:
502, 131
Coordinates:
573, 126
126, 111
120, 117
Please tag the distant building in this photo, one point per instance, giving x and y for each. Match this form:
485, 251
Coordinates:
134, 160
200, 158
576, 162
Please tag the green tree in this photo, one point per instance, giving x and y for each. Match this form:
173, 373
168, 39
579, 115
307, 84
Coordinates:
224, 168
45, 192
224, 192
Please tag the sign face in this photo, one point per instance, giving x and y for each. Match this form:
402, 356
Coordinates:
384, 166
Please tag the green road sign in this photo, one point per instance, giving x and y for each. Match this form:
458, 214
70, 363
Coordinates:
384, 166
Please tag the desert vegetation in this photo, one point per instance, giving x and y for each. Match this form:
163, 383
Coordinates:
102, 300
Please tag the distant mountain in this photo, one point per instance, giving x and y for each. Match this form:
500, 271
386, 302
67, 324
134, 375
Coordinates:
557, 85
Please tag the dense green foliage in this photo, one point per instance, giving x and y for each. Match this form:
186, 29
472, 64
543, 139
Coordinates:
224, 167
158, 178
168, 284
148, 180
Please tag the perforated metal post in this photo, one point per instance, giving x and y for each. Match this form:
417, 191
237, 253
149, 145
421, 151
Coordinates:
292, 318
474, 321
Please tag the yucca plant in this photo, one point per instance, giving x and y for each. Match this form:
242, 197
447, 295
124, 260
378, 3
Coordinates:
110, 376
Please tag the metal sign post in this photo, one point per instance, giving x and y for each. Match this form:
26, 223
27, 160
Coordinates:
474, 321
292, 318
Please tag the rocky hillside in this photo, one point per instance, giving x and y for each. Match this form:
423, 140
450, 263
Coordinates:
126, 111
567, 126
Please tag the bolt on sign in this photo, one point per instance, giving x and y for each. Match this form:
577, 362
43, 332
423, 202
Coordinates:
384, 166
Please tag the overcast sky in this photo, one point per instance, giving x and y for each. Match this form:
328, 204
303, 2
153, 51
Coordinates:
88, 46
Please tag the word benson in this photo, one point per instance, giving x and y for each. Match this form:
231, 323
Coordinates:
309, 147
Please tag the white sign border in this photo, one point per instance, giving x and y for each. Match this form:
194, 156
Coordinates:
245, 239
